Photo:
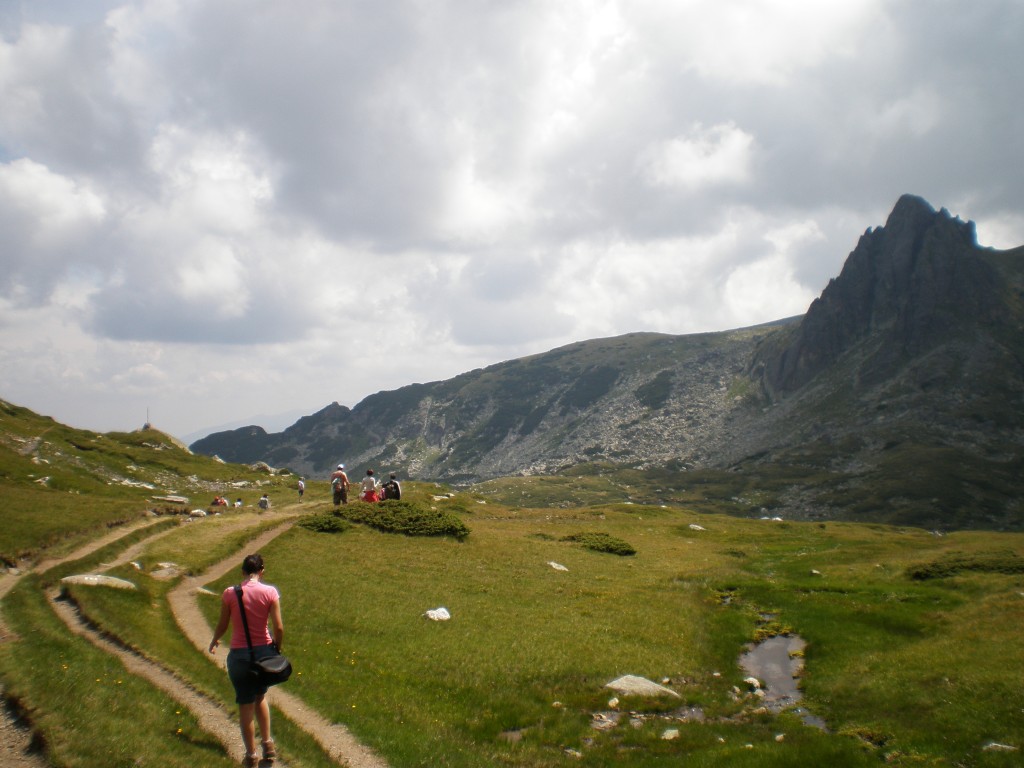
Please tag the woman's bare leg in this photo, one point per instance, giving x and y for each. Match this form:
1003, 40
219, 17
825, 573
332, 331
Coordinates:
245, 720
263, 718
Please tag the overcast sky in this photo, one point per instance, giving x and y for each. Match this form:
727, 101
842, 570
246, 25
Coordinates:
215, 211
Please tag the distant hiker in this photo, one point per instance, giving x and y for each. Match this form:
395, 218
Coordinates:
391, 489
302, 487
370, 487
238, 502
264, 502
339, 484
262, 604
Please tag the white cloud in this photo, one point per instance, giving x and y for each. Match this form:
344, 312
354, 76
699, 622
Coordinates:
53, 208
46, 221
762, 42
719, 154
1001, 231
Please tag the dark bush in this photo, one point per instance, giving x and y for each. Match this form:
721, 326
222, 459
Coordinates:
406, 517
999, 561
324, 522
602, 542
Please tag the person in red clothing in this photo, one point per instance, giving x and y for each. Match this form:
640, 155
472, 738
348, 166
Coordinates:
262, 606
370, 487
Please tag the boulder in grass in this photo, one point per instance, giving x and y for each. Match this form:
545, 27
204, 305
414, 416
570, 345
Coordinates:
98, 580
633, 685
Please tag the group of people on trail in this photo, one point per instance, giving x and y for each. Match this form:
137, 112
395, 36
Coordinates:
370, 489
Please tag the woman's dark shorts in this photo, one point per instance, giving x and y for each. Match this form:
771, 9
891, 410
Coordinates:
247, 688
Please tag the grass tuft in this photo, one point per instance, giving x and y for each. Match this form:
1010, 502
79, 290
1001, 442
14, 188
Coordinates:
602, 542
1000, 561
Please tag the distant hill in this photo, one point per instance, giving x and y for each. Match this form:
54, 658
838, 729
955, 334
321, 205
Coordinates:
897, 397
59, 484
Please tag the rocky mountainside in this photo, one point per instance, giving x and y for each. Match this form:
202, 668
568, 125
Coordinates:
909, 365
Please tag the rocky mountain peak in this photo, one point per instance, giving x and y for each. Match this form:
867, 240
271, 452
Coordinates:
913, 357
909, 280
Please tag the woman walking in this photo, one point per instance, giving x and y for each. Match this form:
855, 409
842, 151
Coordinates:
262, 604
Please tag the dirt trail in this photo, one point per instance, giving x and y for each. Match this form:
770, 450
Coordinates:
16, 741
213, 716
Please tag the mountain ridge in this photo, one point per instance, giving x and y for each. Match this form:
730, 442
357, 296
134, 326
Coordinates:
916, 347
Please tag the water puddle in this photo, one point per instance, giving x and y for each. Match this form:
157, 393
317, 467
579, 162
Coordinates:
777, 663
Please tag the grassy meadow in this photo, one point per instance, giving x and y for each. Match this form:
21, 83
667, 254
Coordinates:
913, 653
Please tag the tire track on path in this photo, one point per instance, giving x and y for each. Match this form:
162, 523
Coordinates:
17, 749
212, 717
336, 740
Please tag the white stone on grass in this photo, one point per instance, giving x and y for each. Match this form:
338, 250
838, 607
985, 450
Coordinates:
633, 685
98, 580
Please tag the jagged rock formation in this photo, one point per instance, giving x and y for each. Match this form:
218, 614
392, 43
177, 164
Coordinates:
913, 354
907, 287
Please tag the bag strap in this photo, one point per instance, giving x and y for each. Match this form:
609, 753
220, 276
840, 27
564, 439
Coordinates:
245, 621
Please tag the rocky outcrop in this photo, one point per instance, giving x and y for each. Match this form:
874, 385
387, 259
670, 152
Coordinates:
907, 286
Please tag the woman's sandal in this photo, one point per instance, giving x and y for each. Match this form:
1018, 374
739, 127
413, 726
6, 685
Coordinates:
250, 761
269, 750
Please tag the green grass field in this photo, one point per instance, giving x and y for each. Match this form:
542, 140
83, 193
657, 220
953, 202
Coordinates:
913, 653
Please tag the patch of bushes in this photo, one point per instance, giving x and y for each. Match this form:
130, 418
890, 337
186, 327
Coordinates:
998, 561
655, 393
405, 517
602, 542
324, 522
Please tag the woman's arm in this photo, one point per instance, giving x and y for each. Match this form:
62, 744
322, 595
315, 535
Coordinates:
222, 625
276, 620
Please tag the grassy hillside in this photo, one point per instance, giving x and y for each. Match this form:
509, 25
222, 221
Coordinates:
59, 485
893, 482
912, 637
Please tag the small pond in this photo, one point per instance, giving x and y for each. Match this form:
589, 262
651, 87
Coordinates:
778, 663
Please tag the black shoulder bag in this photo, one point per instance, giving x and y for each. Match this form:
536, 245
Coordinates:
270, 670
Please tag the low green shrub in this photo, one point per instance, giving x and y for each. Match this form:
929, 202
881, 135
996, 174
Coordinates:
602, 542
997, 561
405, 517
324, 522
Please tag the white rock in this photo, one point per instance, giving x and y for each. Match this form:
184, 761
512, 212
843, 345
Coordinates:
753, 682
438, 614
557, 566
995, 746
633, 685
97, 580
670, 734
695, 527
